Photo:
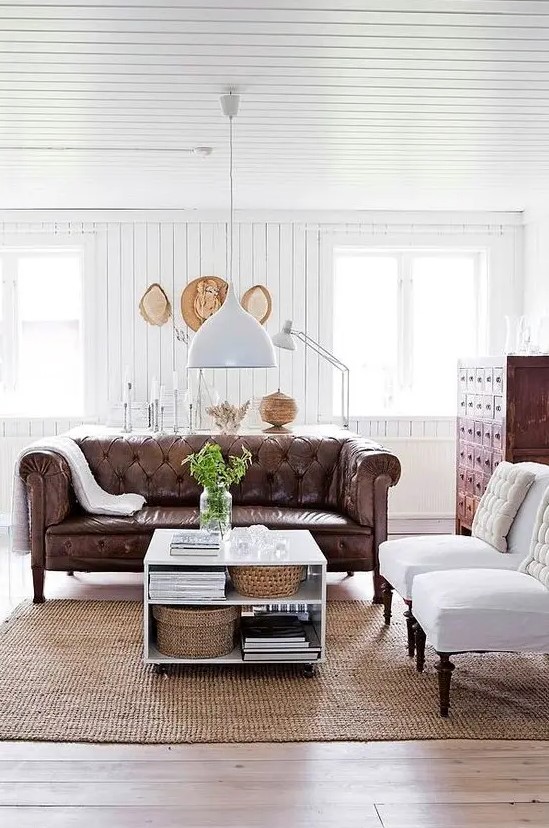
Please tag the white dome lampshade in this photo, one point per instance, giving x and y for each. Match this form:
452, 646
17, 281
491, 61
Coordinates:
231, 338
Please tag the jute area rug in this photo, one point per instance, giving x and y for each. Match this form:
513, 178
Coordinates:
73, 671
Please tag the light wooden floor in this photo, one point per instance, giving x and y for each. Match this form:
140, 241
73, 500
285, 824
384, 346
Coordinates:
450, 784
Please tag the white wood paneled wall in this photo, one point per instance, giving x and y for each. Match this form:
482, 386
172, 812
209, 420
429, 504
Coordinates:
292, 254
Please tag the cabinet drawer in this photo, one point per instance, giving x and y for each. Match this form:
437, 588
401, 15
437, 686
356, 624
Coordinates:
469, 509
462, 453
487, 461
471, 380
479, 380
497, 436
479, 484
488, 380
487, 435
498, 408
496, 459
470, 405
470, 436
462, 428
479, 405
469, 456
461, 478
488, 402
462, 405
477, 431
479, 458
470, 481
461, 505
498, 380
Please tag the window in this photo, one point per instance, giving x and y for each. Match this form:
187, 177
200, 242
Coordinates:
401, 320
41, 356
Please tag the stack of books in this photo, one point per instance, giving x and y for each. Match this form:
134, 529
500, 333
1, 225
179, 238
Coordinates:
188, 585
195, 542
278, 637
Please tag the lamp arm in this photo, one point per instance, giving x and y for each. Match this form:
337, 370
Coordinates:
336, 363
320, 349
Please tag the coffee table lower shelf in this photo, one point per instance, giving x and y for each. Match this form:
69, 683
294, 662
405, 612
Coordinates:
159, 660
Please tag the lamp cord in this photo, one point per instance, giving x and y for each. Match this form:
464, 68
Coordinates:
231, 187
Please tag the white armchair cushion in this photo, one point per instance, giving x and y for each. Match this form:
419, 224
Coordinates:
536, 563
500, 503
520, 534
402, 559
482, 609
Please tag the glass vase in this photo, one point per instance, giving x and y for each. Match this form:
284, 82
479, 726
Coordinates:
216, 510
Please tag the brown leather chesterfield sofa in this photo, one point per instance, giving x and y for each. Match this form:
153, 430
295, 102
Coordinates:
334, 484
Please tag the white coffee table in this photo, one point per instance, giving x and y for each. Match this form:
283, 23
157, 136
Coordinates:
302, 549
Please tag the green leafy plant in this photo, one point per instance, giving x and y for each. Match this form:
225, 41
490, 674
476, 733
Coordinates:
216, 475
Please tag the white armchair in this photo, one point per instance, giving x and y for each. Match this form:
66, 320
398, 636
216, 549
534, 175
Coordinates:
402, 560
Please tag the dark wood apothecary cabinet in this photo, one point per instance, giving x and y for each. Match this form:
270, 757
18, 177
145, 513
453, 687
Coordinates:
503, 414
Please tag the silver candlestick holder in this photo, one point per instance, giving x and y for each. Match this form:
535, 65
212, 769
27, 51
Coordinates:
127, 411
175, 410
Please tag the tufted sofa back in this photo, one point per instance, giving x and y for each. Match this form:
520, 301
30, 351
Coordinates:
287, 469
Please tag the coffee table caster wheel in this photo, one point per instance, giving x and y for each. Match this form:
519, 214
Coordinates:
309, 670
160, 669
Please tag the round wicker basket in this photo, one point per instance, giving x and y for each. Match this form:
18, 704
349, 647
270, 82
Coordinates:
196, 632
266, 581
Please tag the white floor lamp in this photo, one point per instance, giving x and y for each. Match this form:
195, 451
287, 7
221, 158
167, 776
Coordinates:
285, 339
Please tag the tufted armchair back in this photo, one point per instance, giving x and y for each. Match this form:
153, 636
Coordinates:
287, 469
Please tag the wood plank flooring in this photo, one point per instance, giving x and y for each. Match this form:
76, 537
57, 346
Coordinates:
438, 784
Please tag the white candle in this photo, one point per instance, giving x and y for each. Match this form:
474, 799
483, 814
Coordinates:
175, 381
162, 395
154, 389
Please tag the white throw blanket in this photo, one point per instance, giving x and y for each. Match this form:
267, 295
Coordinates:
89, 494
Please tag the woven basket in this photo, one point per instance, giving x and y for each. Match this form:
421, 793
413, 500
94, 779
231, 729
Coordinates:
266, 581
196, 632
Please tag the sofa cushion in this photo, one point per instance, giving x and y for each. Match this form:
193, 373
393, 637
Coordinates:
484, 609
520, 533
500, 503
402, 559
536, 563
166, 517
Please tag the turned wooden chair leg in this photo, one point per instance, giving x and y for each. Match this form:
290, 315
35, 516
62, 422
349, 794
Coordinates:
350, 573
70, 573
38, 573
420, 647
387, 593
444, 668
411, 631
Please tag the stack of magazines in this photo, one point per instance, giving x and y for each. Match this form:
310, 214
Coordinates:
188, 585
279, 637
194, 542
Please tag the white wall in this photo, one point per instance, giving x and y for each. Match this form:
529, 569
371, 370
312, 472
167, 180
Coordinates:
290, 253
536, 263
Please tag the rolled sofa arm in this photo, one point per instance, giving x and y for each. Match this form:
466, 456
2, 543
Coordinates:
47, 478
367, 471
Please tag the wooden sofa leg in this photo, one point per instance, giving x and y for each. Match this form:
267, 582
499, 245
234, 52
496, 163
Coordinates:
38, 574
350, 573
387, 601
420, 647
444, 668
70, 573
378, 587
411, 630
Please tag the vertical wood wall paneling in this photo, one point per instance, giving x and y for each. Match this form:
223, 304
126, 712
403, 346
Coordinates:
101, 330
180, 278
113, 310
194, 269
128, 303
166, 280
312, 277
153, 275
246, 248
272, 282
285, 306
258, 276
300, 319
140, 357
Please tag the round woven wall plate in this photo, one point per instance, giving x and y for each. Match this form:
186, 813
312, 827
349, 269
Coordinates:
155, 306
201, 298
257, 301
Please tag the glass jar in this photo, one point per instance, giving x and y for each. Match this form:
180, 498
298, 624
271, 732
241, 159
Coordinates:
216, 510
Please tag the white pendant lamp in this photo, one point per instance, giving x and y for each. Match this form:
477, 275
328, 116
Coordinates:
231, 337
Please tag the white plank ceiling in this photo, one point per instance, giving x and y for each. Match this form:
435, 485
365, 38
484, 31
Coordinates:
345, 103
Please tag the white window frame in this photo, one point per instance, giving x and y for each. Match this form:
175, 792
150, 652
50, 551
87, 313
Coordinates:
405, 253
16, 245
